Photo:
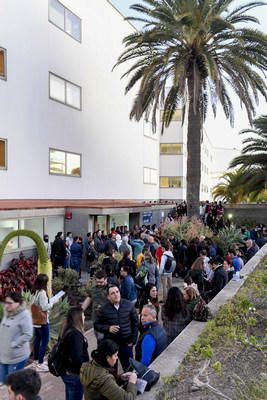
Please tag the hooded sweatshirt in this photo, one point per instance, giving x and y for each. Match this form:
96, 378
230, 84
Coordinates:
15, 332
100, 384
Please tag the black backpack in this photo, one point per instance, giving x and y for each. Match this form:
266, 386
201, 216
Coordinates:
170, 264
56, 360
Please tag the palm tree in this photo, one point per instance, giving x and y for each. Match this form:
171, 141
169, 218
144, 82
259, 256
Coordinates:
228, 190
253, 159
198, 48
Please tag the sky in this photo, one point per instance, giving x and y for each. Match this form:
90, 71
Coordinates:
219, 131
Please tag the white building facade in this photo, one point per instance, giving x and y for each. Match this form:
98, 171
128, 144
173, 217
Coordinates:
65, 132
65, 129
173, 162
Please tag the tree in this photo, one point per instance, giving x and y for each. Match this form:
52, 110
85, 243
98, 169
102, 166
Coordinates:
198, 48
253, 159
227, 189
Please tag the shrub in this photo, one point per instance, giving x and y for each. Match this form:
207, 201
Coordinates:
20, 275
228, 237
188, 229
65, 279
57, 316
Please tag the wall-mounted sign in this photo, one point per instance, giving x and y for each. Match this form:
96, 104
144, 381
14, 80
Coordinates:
147, 217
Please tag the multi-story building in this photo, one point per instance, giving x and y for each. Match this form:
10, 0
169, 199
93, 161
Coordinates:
70, 158
173, 162
65, 132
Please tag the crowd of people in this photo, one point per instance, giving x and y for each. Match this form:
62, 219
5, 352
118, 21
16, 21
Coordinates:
130, 318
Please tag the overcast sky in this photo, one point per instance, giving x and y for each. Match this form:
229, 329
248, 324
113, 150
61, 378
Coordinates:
219, 130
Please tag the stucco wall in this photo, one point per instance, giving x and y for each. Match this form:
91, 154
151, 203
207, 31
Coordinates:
114, 150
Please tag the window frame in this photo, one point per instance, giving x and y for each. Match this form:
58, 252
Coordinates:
64, 30
65, 91
150, 169
5, 144
65, 153
4, 77
173, 153
171, 187
177, 116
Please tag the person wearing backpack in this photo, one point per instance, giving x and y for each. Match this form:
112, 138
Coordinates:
167, 266
74, 351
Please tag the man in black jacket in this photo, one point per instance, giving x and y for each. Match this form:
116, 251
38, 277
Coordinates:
117, 319
220, 278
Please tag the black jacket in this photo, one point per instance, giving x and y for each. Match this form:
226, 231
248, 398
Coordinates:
197, 277
75, 350
126, 317
219, 280
59, 248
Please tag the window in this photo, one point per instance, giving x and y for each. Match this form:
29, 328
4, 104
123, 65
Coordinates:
33, 224
3, 153
64, 19
177, 116
171, 148
7, 226
2, 63
171, 182
64, 91
53, 225
64, 163
150, 176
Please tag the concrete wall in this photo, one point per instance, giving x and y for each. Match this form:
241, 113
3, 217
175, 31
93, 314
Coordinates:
247, 212
114, 150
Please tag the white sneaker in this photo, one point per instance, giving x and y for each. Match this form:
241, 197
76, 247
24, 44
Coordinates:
42, 367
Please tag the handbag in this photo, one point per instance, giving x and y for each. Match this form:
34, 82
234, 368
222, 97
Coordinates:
39, 317
145, 373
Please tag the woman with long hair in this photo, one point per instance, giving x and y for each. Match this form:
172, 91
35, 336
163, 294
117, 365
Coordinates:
97, 378
75, 352
197, 274
40, 309
15, 334
175, 316
191, 298
149, 296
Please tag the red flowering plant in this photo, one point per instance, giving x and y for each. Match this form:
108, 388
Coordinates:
20, 275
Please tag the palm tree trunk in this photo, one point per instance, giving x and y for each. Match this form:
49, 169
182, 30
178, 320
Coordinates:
194, 133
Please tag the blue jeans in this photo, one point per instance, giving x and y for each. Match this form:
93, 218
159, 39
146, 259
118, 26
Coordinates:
41, 339
6, 369
75, 263
73, 387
